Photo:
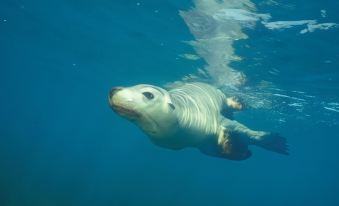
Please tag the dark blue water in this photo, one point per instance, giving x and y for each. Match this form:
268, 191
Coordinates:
60, 143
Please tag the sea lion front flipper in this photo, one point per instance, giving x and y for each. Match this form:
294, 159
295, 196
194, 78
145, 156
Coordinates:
231, 105
234, 103
224, 145
232, 147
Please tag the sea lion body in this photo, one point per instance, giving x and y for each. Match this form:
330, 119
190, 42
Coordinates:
190, 115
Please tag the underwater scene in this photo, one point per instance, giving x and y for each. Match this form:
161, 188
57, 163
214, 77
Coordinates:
169, 102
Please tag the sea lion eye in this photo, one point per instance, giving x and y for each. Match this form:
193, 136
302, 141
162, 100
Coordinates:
148, 95
171, 105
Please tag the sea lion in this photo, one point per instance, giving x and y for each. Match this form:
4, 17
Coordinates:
191, 115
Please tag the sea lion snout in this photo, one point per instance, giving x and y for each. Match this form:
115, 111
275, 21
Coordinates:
114, 90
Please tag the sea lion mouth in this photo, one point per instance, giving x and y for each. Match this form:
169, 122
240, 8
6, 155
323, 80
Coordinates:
123, 111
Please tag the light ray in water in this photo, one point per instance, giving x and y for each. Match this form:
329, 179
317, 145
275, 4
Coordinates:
331, 109
215, 26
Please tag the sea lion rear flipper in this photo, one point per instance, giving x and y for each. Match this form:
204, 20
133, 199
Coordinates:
268, 140
273, 142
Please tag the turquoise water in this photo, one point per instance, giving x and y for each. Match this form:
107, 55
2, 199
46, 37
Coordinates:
60, 143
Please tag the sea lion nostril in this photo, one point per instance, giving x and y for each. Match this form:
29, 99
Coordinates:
114, 90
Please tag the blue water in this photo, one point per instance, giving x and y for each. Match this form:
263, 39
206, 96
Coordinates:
60, 143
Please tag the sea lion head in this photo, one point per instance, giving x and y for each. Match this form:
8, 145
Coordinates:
148, 106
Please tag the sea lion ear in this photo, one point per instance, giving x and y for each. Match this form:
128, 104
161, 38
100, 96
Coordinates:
171, 105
